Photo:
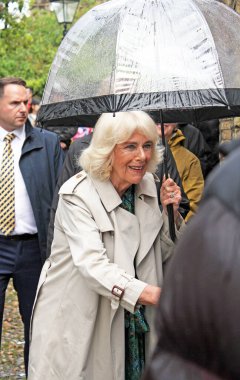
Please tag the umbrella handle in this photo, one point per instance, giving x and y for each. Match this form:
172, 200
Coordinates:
171, 223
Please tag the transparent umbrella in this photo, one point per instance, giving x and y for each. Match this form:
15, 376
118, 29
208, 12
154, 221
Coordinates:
180, 57
177, 59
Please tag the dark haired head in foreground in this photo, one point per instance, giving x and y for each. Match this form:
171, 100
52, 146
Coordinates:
199, 312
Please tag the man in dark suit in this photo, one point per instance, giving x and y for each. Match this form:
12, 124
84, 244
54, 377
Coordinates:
30, 162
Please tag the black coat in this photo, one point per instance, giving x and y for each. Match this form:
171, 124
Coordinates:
195, 142
65, 134
199, 311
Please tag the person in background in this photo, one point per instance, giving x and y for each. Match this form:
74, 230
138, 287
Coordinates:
199, 310
29, 96
65, 135
82, 131
103, 278
30, 162
210, 132
196, 143
33, 111
226, 147
188, 166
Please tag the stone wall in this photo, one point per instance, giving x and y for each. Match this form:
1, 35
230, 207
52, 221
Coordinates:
235, 4
230, 128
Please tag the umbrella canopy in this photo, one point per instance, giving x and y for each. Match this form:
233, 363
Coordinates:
178, 56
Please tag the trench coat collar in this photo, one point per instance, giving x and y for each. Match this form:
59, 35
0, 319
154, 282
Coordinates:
146, 187
110, 197
150, 218
107, 193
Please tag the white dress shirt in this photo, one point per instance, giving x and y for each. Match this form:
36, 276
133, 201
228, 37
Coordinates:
24, 218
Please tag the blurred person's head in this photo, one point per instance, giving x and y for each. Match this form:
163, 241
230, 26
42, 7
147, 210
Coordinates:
199, 311
35, 105
169, 129
30, 97
227, 147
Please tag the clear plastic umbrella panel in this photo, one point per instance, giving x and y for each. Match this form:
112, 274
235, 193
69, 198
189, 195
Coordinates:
178, 56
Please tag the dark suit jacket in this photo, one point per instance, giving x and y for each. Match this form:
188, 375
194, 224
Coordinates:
40, 164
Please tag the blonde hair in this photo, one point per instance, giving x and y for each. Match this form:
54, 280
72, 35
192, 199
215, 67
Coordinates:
111, 130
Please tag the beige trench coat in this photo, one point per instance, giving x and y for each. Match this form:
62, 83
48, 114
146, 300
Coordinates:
78, 323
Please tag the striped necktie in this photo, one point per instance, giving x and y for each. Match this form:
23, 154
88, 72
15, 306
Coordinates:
7, 188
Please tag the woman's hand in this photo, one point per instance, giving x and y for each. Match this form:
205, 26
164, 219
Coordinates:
150, 295
170, 193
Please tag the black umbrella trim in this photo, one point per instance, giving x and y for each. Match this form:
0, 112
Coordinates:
179, 106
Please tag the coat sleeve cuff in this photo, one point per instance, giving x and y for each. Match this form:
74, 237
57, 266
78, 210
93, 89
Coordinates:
127, 293
132, 294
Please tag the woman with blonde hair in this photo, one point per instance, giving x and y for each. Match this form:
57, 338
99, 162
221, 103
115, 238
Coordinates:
103, 278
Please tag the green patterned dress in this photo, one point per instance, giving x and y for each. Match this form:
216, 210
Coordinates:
135, 324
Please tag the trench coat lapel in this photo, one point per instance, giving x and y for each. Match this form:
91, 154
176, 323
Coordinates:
107, 193
126, 226
127, 236
146, 223
150, 218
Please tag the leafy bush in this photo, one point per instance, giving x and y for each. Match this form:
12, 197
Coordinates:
27, 47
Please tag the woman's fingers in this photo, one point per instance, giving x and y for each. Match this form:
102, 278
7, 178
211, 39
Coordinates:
170, 193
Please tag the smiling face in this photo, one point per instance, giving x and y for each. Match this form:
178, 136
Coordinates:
13, 107
130, 160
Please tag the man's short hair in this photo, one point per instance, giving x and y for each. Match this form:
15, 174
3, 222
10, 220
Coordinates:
10, 80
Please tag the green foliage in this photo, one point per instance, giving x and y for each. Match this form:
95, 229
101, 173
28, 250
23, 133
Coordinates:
88, 4
28, 47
